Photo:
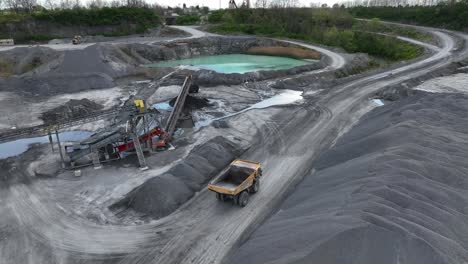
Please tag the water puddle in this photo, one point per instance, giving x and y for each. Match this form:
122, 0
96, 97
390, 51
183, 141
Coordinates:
143, 81
164, 106
378, 102
313, 92
284, 98
19, 146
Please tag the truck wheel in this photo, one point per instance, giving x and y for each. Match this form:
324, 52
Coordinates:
243, 199
255, 186
221, 197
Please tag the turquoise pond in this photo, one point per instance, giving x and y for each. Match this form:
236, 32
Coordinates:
236, 63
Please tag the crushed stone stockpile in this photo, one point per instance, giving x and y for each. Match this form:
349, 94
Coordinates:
71, 109
192, 102
22, 60
161, 195
47, 72
392, 190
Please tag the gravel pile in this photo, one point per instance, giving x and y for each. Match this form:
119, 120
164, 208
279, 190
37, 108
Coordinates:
392, 190
161, 195
71, 109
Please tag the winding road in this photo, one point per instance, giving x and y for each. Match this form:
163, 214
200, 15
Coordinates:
204, 230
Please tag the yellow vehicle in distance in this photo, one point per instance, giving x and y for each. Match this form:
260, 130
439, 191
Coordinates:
240, 179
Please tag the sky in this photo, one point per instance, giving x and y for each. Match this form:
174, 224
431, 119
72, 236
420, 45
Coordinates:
214, 4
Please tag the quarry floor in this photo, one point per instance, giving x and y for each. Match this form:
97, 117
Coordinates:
49, 216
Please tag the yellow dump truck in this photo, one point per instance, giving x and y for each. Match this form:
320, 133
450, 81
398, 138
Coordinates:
240, 179
76, 40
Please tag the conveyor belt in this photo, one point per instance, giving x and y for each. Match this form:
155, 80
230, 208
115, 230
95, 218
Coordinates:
178, 107
44, 128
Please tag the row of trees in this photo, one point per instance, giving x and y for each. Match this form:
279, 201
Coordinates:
119, 21
30, 6
445, 15
328, 26
396, 3
19, 5
291, 20
143, 18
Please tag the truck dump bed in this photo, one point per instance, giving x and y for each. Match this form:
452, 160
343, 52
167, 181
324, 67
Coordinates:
235, 178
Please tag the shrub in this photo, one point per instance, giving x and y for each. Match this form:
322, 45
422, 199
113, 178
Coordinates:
216, 16
187, 20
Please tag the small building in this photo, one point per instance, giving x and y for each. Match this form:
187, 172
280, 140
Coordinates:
7, 42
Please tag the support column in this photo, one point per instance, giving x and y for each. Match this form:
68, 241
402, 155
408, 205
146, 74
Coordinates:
139, 151
51, 141
145, 128
95, 157
60, 148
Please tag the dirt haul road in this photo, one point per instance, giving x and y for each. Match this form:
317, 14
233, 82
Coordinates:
203, 230
147, 40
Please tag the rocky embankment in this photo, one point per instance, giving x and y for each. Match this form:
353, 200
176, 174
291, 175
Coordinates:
392, 190
183, 49
291, 52
48, 72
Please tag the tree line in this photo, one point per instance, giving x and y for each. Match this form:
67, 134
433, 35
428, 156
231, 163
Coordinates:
450, 15
328, 26
31, 6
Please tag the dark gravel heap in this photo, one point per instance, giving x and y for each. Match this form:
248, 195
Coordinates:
71, 109
392, 190
192, 102
161, 195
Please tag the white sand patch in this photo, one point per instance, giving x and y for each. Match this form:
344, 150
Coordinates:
456, 83
107, 97
164, 93
378, 102
119, 67
286, 97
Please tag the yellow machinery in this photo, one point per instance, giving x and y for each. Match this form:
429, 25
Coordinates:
140, 104
237, 181
76, 40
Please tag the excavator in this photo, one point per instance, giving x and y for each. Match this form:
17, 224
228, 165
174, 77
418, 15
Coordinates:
76, 40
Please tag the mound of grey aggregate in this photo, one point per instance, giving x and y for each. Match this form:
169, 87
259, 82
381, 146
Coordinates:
71, 109
161, 195
393, 190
